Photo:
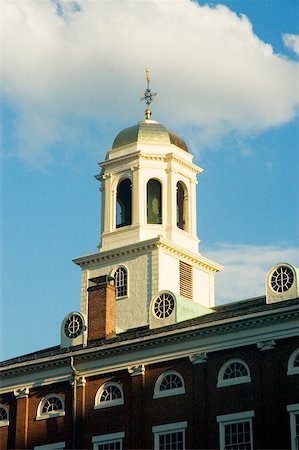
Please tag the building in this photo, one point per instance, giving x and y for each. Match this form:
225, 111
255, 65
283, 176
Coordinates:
150, 361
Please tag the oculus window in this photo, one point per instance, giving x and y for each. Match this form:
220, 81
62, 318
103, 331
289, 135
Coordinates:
163, 306
124, 203
110, 394
168, 384
281, 279
74, 326
154, 202
234, 371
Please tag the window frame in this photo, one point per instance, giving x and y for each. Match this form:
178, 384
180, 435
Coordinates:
109, 403
221, 382
121, 266
292, 370
53, 446
234, 418
161, 202
169, 428
293, 411
169, 392
42, 416
107, 439
5, 422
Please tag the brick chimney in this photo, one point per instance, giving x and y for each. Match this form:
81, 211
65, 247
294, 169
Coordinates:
101, 308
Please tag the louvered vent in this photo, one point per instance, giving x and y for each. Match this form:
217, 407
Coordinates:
186, 280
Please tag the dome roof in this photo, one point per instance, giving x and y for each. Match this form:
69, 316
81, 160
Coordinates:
148, 132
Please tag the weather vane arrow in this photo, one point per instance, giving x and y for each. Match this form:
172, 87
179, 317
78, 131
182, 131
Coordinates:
148, 95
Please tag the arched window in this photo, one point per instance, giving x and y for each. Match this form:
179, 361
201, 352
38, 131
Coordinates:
234, 371
154, 202
4, 418
124, 203
52, 405
293, 363
121, 282
110, 394
168, 384
182, 206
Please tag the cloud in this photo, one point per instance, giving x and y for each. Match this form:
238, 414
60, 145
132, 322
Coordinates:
291, 41
69, 64
245, 268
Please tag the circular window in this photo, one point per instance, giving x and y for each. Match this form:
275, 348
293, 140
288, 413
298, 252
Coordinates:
282, 279
73, 326
163, 306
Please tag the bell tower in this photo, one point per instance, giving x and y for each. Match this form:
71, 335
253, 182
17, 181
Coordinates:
148, 239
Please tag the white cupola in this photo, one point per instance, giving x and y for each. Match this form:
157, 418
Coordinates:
148, 241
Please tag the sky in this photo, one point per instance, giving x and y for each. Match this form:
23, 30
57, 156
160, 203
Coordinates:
226, 74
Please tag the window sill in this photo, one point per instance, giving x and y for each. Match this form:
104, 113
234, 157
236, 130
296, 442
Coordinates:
169, 393
110, 404
50, 416
233, 382
4, 423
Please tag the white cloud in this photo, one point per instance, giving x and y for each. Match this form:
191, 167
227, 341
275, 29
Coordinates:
245, 268
85, 60
291, 41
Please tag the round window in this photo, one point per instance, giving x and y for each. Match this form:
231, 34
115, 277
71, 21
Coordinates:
163, 306
282, 279
73, 326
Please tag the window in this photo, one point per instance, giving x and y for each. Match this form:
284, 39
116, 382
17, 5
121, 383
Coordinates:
170, 436
168, 384
281, 279
154, 202
124, 203
74, 326
54, 446
186, 280
182, 206
294, 425
4, 417
234, 371
112, 441
110, 394
121, 282
293, 364
235, 431
50, 406
163, 306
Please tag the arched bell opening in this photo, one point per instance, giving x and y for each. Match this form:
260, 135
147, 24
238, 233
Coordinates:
154, 202
182, 206
124, 203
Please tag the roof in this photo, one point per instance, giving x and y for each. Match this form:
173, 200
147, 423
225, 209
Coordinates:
149, 132
241, 310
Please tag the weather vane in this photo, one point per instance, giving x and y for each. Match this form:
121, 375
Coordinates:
148, 95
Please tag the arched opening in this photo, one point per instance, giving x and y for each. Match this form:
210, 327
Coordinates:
182, 206
154, 202
124, 203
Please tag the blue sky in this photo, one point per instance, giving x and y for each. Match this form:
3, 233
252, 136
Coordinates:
72, 77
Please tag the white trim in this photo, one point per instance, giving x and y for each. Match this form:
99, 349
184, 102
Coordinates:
107, 438
41, 416
227, 419
54, 446
168, 428
109, 403
233, 381
292, 370
169, 392
293, 411
4, 423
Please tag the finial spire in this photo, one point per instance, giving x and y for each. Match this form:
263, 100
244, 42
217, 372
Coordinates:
148, 94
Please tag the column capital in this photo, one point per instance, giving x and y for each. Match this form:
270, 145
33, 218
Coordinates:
136, 370
198, 358
21, 392
266, 345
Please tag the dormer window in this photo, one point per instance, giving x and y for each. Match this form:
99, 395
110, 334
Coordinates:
154, 202
124, 203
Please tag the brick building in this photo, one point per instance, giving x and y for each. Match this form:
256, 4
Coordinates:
150, 361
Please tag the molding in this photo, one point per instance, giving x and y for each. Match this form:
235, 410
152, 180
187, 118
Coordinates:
136, 370
21, 393
177, 426
266, 345
235, 416
198, 358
